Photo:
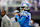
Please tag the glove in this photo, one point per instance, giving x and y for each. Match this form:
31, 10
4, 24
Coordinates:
16, 19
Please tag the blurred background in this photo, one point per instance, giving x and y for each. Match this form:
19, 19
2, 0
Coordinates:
11, 5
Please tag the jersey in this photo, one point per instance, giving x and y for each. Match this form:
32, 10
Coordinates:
23, 19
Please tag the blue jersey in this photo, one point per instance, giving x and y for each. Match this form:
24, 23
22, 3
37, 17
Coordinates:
23, 19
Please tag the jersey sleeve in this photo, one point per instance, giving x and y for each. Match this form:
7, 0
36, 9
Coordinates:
29, 18
21, 21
